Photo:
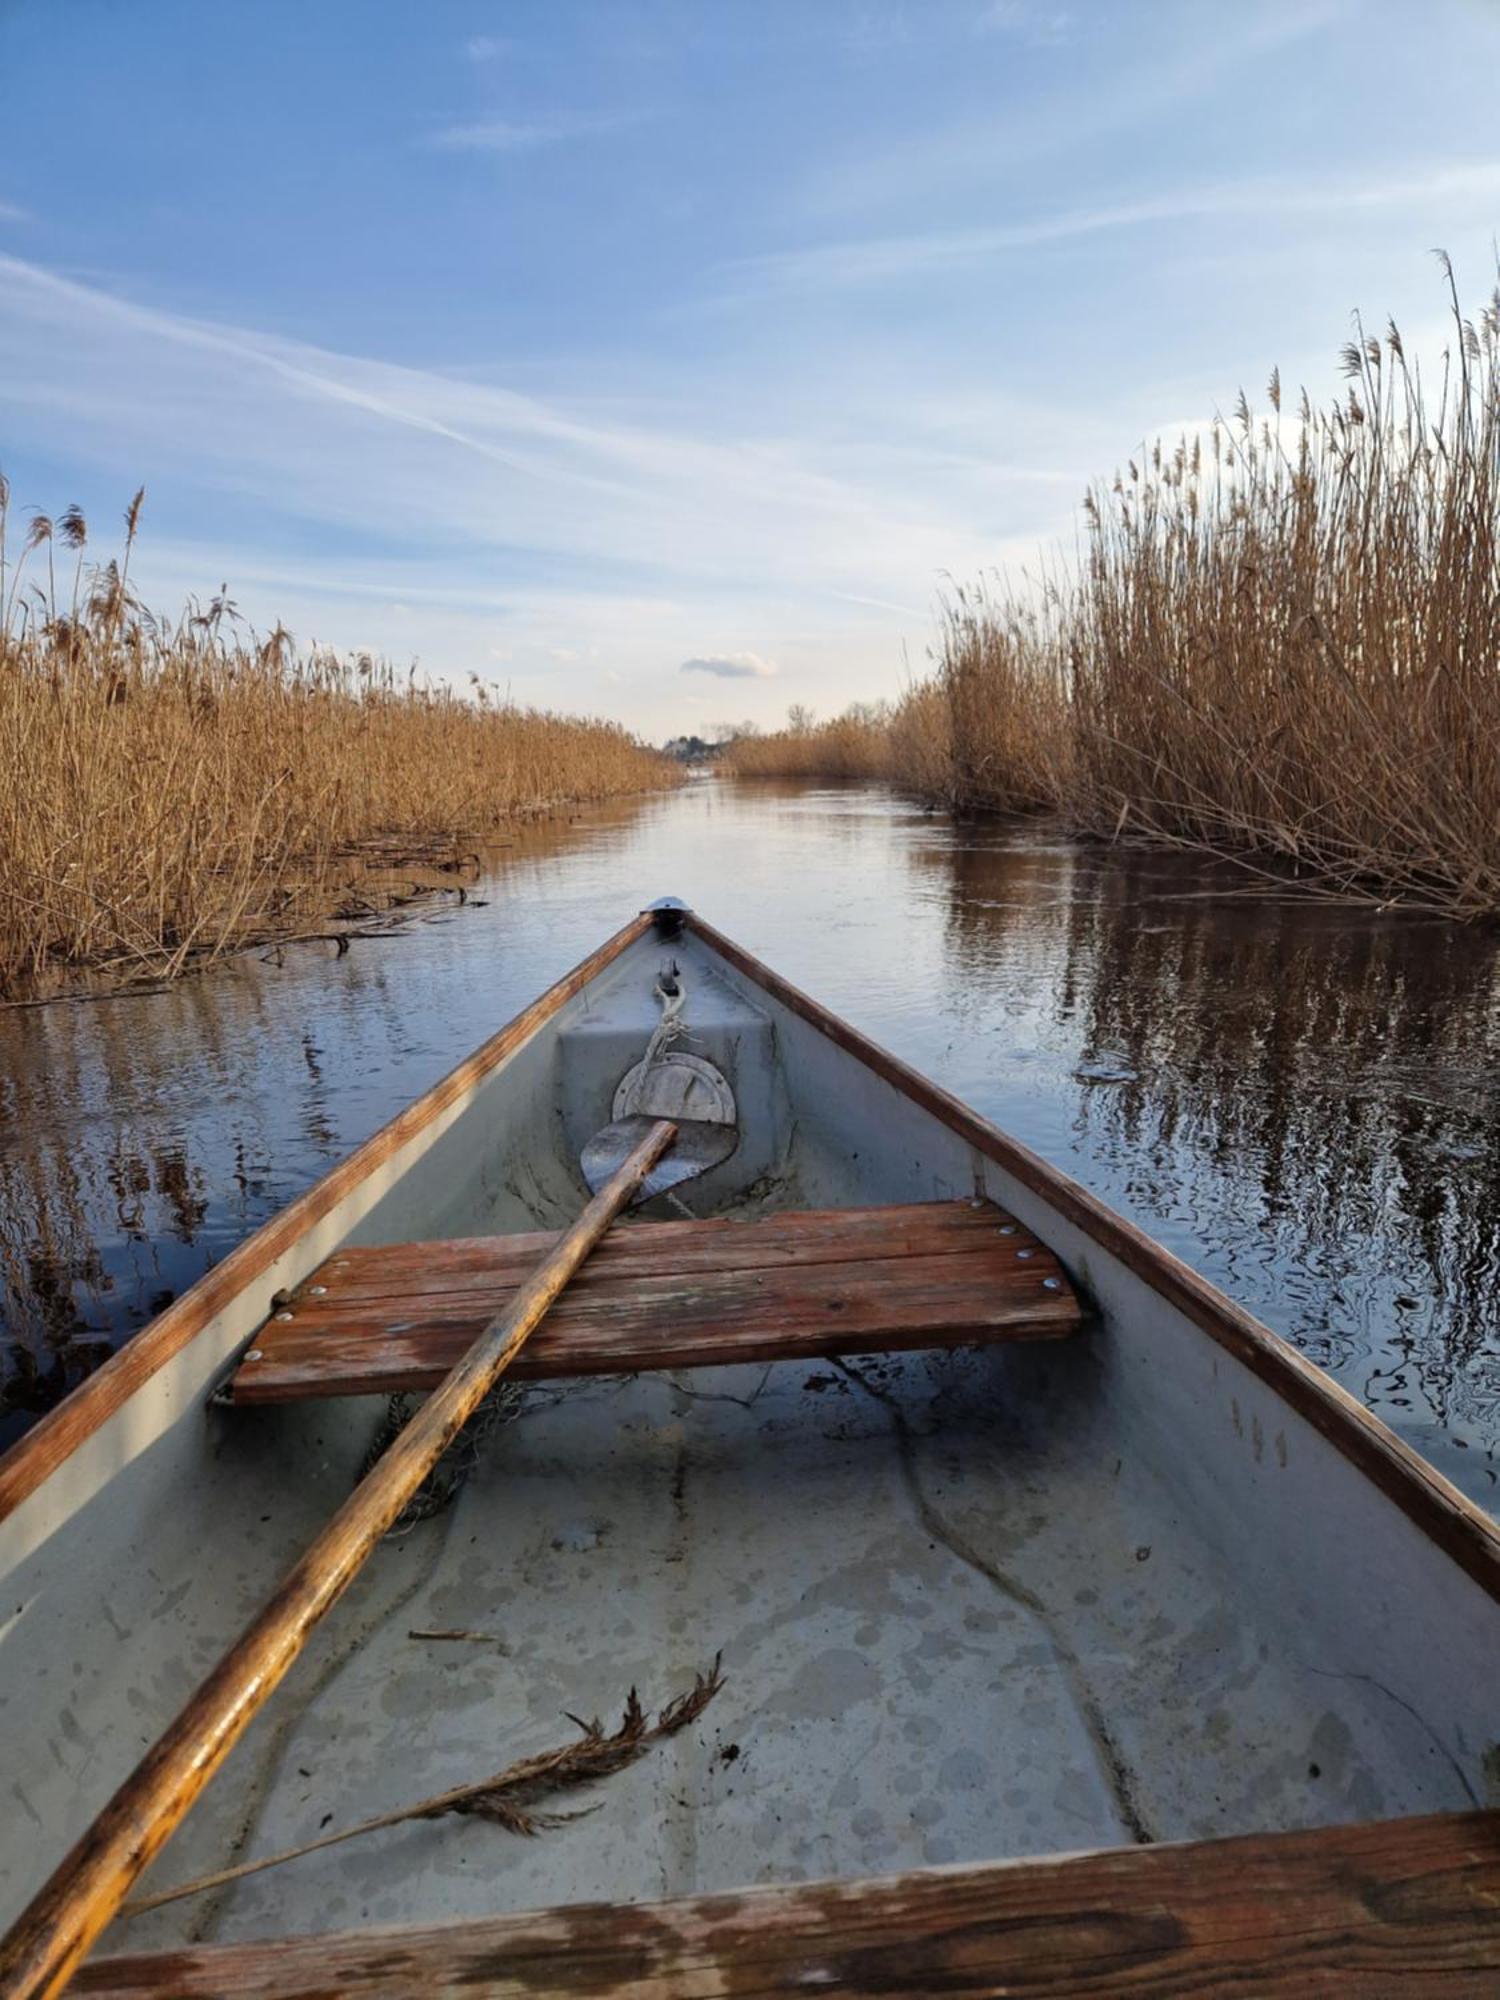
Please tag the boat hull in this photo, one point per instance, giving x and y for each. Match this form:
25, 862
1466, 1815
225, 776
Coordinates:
1158, 1581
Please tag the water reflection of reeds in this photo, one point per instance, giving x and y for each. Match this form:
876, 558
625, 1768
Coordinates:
1308, 1097
93, 1242
135, 1146
140, 1139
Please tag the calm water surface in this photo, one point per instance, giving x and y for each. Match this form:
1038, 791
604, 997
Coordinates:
1303, 1102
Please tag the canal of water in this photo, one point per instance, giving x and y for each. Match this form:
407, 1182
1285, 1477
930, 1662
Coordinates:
1301, 1100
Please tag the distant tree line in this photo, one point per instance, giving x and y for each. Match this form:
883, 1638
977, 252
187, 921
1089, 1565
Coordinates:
702, 749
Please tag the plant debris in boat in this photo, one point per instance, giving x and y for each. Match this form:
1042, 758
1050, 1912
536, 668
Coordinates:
441, 1486
458, 1632
506, 1799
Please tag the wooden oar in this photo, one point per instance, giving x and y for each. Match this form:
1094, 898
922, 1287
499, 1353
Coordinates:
43, 1949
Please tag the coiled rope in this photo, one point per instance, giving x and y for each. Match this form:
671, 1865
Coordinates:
502, 1406
671, 991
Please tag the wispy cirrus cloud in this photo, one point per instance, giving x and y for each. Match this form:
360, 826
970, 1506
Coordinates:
873, 260
12, 211
876, 29
1136, 80
499, 466
1040, 26
732, 666
525, 135
488, 517
485, 48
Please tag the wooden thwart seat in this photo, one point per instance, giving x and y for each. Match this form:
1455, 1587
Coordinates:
668, 1295
1389, 1906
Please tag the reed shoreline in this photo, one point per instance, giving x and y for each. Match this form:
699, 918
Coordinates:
1281, 645
175, 790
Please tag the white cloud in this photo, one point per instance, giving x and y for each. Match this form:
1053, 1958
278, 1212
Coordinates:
731, 666
876, 30
1151, 77
826, 542
507, 135
881, 603
484, 48
362, 443
882, 258
11, 211
1024, 21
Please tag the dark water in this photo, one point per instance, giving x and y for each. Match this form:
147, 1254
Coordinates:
1302, 1101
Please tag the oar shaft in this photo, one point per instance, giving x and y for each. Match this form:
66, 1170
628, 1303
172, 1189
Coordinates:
49, 1939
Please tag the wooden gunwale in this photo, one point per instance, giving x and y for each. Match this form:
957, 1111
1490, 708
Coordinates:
50, 1442
1454, 1523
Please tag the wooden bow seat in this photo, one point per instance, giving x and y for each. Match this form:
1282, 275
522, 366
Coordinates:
386, 1317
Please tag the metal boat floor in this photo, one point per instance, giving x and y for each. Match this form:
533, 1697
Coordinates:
956, 1623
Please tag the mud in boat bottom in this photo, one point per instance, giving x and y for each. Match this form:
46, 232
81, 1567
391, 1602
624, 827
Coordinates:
960, 1620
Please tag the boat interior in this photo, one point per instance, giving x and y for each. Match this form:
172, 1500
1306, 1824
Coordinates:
1000, 1554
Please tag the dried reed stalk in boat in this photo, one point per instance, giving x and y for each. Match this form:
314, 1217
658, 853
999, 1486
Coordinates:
507, 1798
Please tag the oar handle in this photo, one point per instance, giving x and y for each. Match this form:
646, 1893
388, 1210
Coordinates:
45, 1945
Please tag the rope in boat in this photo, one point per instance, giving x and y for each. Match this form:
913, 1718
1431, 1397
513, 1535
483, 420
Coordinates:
502, 1406
671, 991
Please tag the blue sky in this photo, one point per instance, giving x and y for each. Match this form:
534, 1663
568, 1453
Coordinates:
578, 345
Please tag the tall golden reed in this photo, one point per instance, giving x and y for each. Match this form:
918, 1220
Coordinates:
171, 790
856, 744
1286, 643
1283, 644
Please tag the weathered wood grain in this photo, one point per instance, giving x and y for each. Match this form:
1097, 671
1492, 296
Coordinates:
48, 1443
670, 1295
1408, 1907
798, 1236
44, 1946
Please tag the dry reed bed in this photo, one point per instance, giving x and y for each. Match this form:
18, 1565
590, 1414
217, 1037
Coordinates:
173, 790
856, 744
1282, 644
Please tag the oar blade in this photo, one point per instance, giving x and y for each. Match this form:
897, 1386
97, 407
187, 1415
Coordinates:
700, 1145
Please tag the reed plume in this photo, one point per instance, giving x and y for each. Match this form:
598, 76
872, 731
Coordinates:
509, 1798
